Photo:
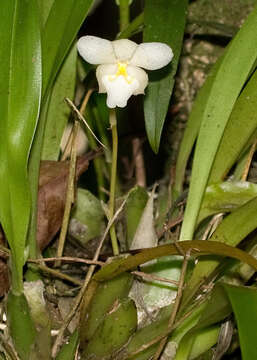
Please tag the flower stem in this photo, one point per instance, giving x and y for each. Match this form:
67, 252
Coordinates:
135, 26
113, 123
124, 14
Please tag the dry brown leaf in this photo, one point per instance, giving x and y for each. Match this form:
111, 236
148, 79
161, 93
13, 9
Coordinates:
52, 194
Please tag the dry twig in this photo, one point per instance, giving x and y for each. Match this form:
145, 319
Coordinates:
176, 304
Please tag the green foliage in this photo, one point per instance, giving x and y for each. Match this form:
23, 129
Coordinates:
165, 22
223, 123
193, 126
229, 80
244, 303
56, 40
68, 351
134, 208
21, 327
20, 82
104, 299
87, 219
113, 332
239, 132
58, 111
233, 229
226, 197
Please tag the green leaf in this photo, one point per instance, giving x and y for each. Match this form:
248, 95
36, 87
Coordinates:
198, 247
217, 309
56, 40
20, 325
196, 343
204, 334
134, 208
158, 327
87, 219
193, 126
68, 351
164, 22
230, 78
20, 90
233, 229
104, 298
226, 197
44, 9
58, 111
240, 127
114, 332
145, 235
244, 304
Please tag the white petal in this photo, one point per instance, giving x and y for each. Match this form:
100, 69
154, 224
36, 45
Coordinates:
124, 49
152, 56
141, 76
96, 50
119, 90
101, 71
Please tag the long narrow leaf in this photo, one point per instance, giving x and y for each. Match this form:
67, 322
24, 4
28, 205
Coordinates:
56, 40
58, 111
233, 229
233, 72
165, 22
20, 90
244, 303
241, 125
192, 128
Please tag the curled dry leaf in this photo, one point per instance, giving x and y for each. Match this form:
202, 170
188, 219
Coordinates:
52, 194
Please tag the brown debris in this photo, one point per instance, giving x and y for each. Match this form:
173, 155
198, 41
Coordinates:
51, 196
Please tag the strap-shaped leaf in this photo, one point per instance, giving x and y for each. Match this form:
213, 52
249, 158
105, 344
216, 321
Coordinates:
20, 90
230, 78
62, 25
164, 22
240, 128
58, 112
244, 303
192, 128
56, 41
231, 231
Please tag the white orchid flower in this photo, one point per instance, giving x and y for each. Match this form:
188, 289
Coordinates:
119, 73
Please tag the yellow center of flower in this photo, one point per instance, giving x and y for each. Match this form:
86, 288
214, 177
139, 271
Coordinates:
122, 71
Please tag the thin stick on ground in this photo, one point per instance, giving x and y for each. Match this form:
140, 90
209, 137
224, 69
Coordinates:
81, 118
172, 223
249, 160
70, 197
113, 123
58, 340
168, 331
175, 306
68, 259
67, 148
212, 226
151, 277
59, 275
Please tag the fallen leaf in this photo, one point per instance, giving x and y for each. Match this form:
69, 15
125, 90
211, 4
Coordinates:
52, 195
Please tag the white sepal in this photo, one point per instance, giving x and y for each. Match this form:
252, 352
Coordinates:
152, 56
124, 49
96, 50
